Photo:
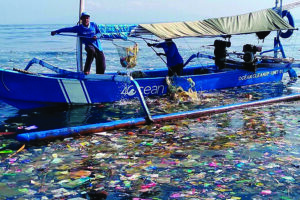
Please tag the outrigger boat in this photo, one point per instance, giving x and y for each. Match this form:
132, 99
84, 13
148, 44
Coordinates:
24, 89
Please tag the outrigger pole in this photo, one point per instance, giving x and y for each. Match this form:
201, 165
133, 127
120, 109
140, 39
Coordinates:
79, 43
148, 117
127, 123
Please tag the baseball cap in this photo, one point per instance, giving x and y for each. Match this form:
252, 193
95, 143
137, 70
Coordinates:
83, 14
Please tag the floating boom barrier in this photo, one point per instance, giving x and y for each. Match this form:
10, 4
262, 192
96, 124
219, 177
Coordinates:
127, 123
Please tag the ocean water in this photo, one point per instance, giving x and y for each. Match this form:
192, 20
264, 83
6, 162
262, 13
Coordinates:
245, 154
21, 43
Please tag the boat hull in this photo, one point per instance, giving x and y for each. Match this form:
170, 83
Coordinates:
29, 90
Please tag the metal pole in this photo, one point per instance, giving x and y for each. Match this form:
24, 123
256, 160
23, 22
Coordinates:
148, 117
79, 43
277, 39
280, 7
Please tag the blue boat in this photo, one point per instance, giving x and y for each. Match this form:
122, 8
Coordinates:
24, 89
37, 90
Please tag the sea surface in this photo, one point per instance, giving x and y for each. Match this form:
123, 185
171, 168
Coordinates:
253, 153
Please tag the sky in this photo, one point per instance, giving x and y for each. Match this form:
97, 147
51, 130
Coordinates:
127, 11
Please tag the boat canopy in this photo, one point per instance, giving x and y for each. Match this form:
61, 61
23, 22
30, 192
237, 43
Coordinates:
254, 22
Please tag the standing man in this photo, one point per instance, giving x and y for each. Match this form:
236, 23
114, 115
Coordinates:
90, 34
174, 59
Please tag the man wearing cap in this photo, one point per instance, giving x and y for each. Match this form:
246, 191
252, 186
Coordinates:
90, 34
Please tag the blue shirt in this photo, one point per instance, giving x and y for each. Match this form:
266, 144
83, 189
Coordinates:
172, 54
87, 33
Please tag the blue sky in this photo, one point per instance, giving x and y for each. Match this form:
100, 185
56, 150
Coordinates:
127, 11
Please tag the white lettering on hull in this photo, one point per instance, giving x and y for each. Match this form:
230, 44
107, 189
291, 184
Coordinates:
147, 90
260, 75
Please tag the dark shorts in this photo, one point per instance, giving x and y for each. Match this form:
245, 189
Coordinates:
175, 69
93, 52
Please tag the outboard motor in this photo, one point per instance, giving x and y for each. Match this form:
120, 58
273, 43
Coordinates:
220, 52
249, 56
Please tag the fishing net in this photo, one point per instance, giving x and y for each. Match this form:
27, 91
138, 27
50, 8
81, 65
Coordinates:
176, 92
127, 51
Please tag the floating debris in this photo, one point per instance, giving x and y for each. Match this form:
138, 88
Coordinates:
242, 154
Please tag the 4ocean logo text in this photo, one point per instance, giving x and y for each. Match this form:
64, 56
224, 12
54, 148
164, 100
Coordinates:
130, 90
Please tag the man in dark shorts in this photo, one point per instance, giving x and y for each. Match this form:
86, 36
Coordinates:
90, 34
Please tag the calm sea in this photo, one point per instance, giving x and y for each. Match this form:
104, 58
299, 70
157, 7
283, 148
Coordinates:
178, 172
